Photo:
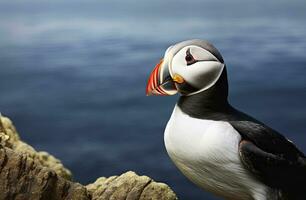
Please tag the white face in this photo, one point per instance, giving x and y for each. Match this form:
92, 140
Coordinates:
197, 66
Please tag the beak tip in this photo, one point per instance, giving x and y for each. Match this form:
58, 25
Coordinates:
160, 81
148, 91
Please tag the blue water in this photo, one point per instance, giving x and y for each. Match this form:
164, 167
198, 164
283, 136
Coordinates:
73, 76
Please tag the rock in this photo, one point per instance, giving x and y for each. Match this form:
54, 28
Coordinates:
130, 186
21, 178
28, 174
9, 138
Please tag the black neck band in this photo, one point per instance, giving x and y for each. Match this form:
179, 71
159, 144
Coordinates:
212, 100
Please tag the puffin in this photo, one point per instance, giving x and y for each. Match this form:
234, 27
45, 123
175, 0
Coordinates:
219, 148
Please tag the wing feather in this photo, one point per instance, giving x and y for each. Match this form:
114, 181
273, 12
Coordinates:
272, 158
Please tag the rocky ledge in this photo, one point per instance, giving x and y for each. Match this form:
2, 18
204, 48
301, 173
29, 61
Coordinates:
28, 174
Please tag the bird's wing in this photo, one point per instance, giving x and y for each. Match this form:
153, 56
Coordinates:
271, 157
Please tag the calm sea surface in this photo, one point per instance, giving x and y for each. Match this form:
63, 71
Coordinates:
73, 76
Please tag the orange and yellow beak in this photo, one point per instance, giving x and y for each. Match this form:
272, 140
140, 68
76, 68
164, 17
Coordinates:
160, 81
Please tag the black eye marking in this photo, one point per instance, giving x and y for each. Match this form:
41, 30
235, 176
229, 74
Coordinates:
189, 58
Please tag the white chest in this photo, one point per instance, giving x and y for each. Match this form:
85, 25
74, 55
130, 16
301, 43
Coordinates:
206, 152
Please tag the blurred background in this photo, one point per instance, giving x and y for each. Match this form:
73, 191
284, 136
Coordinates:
73, 75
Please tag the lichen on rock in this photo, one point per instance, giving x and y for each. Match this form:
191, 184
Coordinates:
28, 174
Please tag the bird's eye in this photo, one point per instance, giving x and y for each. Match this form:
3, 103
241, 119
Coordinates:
189, 58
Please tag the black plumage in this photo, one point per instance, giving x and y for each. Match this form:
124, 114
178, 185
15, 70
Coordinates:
270, 157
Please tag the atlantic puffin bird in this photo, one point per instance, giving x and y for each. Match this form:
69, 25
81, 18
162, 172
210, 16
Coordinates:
219, 148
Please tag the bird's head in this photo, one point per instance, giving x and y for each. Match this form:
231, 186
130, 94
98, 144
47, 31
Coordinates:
188, 67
